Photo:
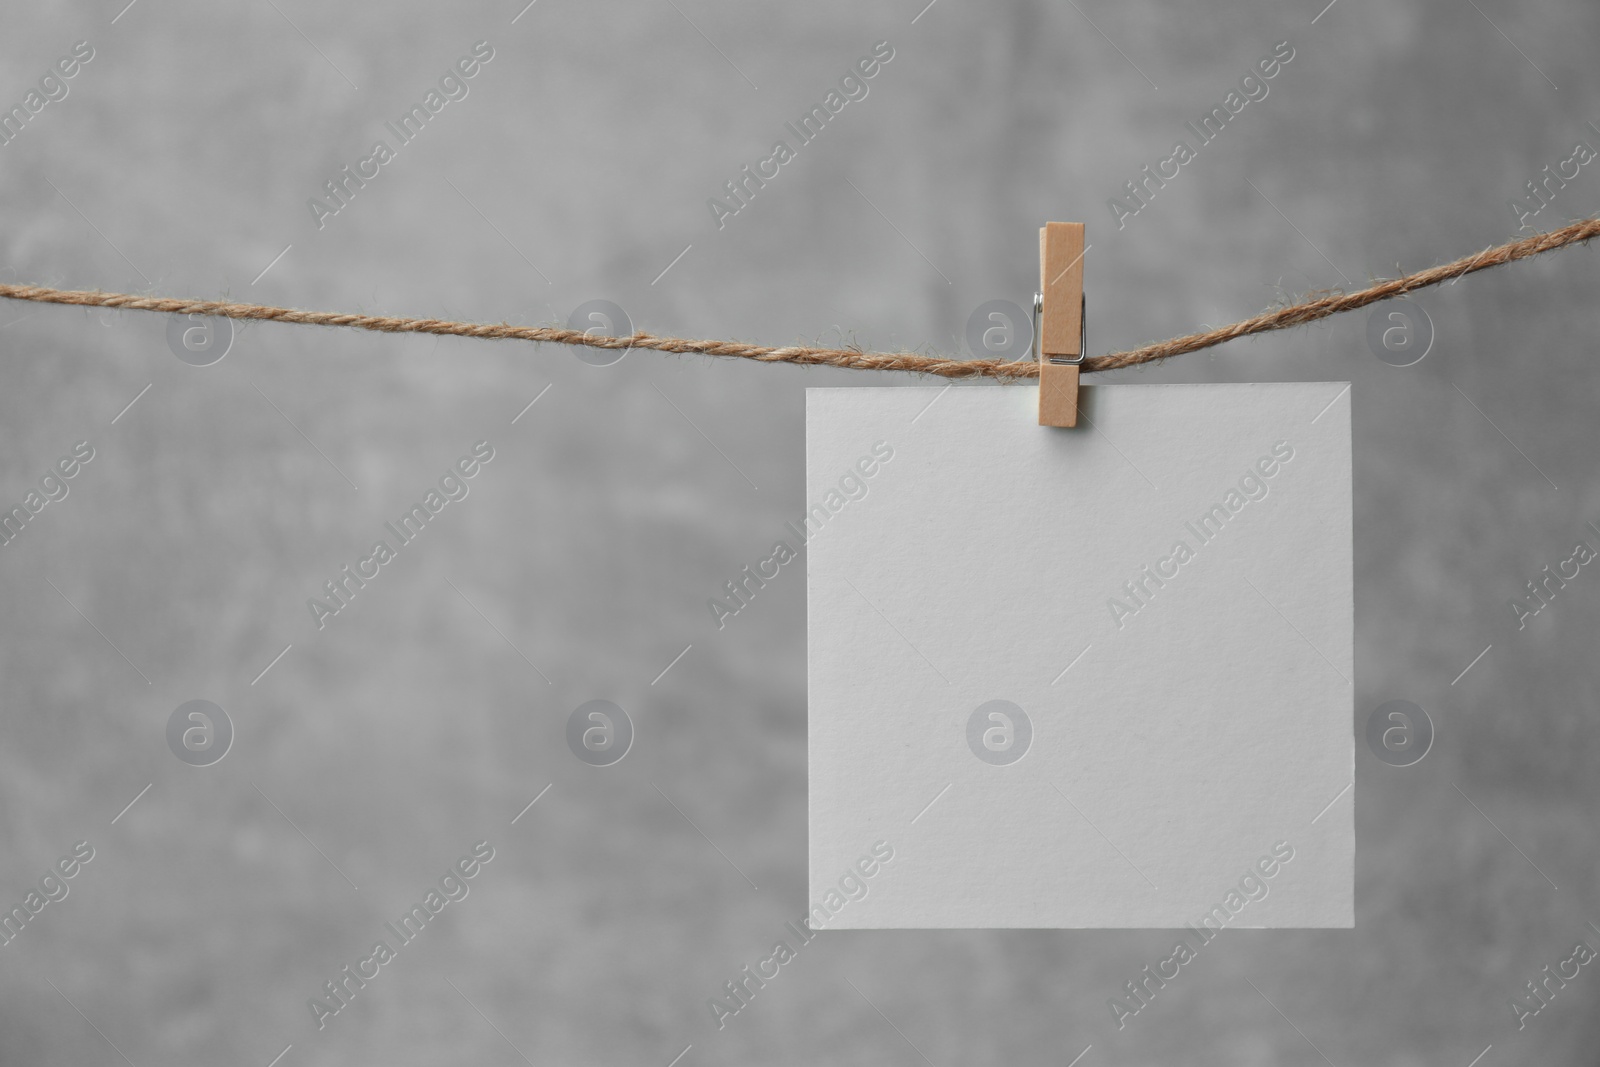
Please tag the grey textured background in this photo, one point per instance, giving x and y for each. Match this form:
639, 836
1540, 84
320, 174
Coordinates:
180, 163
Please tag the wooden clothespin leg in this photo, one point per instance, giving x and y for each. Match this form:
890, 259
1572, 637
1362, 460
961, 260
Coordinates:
1060, 322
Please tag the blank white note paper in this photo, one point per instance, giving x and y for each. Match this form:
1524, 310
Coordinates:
1098, 677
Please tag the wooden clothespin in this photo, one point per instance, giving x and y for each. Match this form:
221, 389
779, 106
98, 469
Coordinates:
1058, 331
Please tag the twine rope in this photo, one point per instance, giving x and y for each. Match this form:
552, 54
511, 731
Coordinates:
1317, 305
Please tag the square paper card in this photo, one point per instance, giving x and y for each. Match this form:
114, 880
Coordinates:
1098, 677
